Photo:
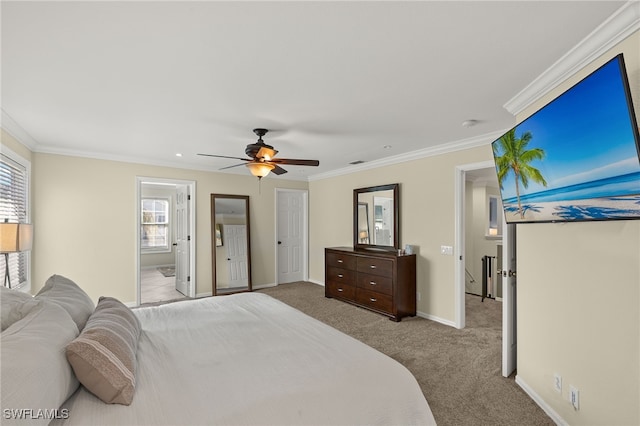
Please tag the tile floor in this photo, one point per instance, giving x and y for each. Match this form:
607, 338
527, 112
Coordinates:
155, 287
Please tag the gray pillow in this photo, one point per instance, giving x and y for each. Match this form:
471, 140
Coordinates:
64, 292
34, 370
14, 305
104, 355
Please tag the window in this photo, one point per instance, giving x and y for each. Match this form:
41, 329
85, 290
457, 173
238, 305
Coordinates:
155, 224
14, 207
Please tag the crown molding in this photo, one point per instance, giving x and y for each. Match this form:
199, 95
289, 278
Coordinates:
44, 149
15, 130
624, 22
440, 149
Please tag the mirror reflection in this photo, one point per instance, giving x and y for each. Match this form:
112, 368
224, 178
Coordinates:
363, 223
230, 243
376, 216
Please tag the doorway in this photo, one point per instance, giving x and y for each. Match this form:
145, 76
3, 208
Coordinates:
165, 243
292, 248
508, 259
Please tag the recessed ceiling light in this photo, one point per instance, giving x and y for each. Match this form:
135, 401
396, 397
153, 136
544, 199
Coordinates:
357, 162
387, 147
469, 123
179, 154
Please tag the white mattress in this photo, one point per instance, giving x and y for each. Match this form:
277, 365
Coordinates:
250, 359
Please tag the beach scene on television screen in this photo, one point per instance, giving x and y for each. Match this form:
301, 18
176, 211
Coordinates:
575, 159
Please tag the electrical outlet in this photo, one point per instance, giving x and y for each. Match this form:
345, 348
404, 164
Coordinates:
557, 383
418, 294
574, 397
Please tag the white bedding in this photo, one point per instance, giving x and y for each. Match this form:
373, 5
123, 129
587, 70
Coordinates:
250, 359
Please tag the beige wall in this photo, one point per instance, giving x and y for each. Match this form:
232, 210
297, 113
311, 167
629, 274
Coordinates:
427, 192
85, 218
579, 302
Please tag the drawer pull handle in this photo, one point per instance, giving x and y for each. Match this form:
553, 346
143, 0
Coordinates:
340, 290
340, 261
373, 299
373, 266
373, 282
340, 275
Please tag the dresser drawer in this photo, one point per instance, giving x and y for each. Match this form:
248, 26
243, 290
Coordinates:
341, 260
375, 266
341, 275
375, 283
374, 300
340, 290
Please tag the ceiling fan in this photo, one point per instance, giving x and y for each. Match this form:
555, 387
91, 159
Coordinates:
262, 159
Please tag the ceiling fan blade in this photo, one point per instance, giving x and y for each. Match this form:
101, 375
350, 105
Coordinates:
278, 170
224, 156
295, 162
235, 165
267, 153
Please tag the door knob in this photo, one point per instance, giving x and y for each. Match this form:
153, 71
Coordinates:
279, 242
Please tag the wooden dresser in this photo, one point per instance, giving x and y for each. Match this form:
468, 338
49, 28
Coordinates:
381, 281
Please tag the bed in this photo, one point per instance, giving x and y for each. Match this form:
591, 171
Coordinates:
241, 359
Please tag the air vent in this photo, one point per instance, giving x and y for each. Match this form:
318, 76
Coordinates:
357, 162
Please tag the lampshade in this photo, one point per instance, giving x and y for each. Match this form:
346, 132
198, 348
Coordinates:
260, 170
363, 235
15, 237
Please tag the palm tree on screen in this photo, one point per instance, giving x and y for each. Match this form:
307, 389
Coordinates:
517, 158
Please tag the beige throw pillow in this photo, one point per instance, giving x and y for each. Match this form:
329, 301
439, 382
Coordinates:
34, 371
104, 355
14, 305
67, 294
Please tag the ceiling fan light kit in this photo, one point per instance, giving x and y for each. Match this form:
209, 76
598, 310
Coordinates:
260, 170
262, 160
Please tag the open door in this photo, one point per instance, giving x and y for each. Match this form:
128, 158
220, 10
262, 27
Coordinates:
182, 239
508, 272
509, 340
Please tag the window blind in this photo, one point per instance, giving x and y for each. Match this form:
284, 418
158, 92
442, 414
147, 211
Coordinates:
13, 207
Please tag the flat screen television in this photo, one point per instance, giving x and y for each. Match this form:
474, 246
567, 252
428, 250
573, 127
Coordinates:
577, 158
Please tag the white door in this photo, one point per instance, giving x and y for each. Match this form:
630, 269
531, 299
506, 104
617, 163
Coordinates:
509, 340
291, 225
236, 241
182, 239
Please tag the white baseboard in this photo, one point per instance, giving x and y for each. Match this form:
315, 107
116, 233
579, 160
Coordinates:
436, 319
157, 266
258, 287
541, 402
205, 294
320, 283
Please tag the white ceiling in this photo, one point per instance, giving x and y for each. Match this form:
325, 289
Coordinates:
333, 81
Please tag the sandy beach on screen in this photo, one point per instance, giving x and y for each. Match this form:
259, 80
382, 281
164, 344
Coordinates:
592, 208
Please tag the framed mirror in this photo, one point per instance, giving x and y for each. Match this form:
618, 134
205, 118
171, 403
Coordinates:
376, 218
230, 244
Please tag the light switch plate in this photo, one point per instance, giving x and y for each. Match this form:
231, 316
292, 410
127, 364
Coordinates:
446, 250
